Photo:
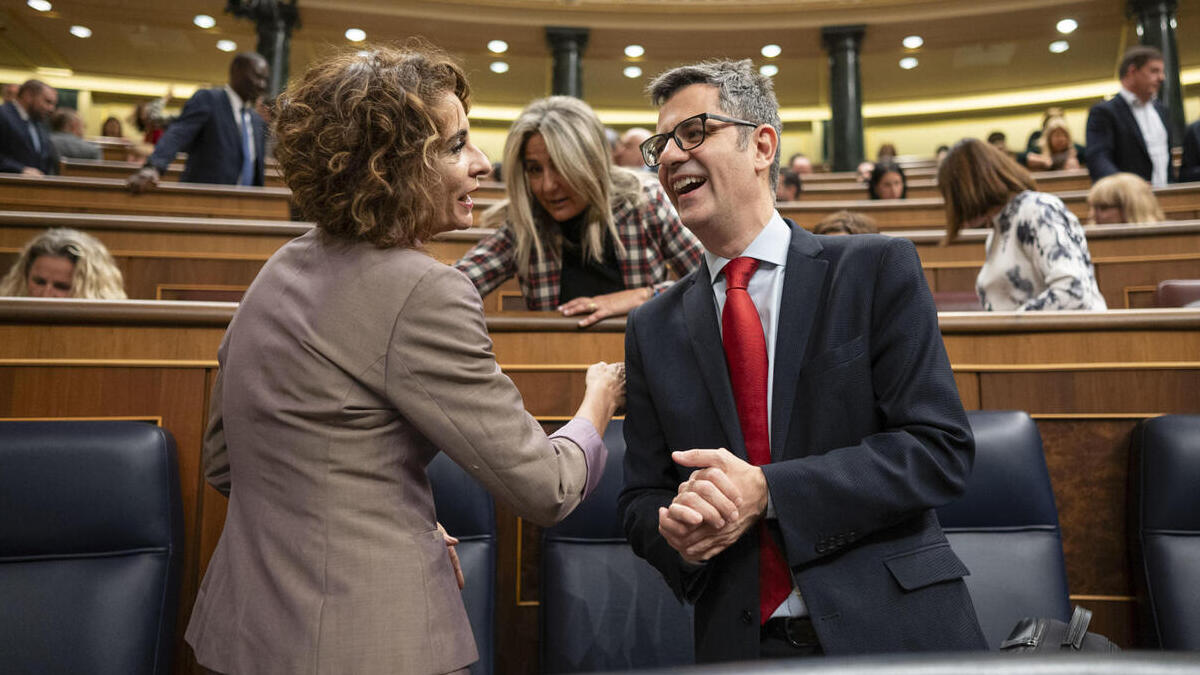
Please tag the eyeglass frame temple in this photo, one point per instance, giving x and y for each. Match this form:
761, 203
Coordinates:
704, 117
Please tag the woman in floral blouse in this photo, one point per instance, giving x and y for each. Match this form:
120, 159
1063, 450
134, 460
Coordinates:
1037, 255
582, 236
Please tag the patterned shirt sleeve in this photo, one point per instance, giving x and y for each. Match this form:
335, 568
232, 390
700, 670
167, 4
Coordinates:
1054, 241
491, 262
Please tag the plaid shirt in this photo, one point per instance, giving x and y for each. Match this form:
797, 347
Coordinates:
653, 236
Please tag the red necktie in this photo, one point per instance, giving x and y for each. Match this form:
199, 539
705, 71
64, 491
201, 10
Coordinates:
746, 354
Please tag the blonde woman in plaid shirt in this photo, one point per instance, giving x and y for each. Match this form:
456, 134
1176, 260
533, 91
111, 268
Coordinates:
582, 236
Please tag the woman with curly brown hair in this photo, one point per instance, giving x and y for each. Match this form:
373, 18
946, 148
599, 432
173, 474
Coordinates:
64, 263
353, 359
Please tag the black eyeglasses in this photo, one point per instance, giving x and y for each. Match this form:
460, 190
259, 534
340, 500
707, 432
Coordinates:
688, 134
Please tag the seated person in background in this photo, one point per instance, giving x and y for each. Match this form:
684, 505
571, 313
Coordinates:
64, 263
790, 186
581, 235
1056, 151
224, 136
846, 222
864, 171
112, 128
1123, 198
25, 145
800, 164
1037, 255
1053, 111
998, 140
887, 153
8, 92
628, 152
887, 182
1190, 169
66, 133
150, 118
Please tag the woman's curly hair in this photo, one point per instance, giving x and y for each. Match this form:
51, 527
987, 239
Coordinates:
358, 138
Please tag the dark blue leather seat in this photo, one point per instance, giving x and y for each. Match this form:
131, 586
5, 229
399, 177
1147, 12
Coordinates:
1166, 529
1005, 526
466, 510
602, 607
91, 545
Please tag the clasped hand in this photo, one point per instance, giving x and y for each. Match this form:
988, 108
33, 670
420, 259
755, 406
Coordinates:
715, 506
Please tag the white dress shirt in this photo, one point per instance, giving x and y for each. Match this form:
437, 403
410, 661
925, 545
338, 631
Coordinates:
236, 103
770, 248
1154, 132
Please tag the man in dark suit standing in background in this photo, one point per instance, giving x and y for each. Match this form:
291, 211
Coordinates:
224, 136
25, 145
818, 363
1128, 132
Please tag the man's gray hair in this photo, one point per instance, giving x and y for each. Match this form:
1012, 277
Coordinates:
741, 92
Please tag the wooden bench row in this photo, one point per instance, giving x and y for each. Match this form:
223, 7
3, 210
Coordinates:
211, 258
1087, 378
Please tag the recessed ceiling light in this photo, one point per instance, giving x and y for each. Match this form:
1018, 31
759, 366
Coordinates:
908, 63
635, 51
498, 67
40, 5
81, 31
913, 42
226, 45
770, 70
1059, 46
204, 21
632, 72
356, 34
497, 46
771, 51
1067, 26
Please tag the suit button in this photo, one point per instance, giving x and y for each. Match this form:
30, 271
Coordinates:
747, 617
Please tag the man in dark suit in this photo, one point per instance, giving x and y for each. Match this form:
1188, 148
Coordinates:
1190, 170
25, 145
805, 382
224, 136
1128, 132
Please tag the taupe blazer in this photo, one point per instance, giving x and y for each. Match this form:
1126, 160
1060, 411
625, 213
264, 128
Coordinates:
344, 371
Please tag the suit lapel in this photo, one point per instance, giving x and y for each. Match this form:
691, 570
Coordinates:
700, 317
799, 306
230, 123
1127, 114
21, 126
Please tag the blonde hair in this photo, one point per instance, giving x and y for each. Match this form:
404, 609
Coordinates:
95, 275
575, 141
1052, 125
976, 177
1129, 192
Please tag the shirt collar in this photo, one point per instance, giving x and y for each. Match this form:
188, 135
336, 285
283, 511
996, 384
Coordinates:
236, 100
21, 111
770, 246
1132, 98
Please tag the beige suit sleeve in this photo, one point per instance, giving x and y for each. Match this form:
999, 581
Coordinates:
442, 376
214, 455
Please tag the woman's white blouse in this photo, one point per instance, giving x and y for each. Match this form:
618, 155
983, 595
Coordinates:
1037, 259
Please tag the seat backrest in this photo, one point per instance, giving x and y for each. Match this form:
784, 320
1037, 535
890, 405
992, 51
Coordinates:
602, 607
467, 512
1177, 292
1005, 526
91, 545
1166, 528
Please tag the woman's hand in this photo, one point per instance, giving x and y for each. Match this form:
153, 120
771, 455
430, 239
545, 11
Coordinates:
1038, 161
604, 306
451, 542
605, 393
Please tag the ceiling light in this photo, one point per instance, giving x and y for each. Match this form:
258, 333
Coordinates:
1059, 46
40, 5
632, 72
356, 34
771, 51
908, 63
1067, 26
913, 42
497, 46
81, 31
635, 51
498, 67
226, 45
770, 70
204, 21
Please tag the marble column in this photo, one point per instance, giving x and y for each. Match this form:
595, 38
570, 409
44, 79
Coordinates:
845, 94
567, 45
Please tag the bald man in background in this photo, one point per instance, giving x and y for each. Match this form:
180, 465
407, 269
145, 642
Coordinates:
628, 152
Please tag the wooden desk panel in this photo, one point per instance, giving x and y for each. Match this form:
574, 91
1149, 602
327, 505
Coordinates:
121, 170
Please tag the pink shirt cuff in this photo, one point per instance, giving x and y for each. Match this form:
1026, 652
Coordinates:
581, 432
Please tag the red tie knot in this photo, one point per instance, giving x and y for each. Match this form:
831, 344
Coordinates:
738, 272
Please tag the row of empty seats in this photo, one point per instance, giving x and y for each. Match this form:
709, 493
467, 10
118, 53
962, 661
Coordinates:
91, 543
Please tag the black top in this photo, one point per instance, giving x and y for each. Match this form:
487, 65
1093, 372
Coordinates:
586, 278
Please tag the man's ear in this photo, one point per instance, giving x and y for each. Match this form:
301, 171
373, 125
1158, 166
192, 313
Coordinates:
766, 144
